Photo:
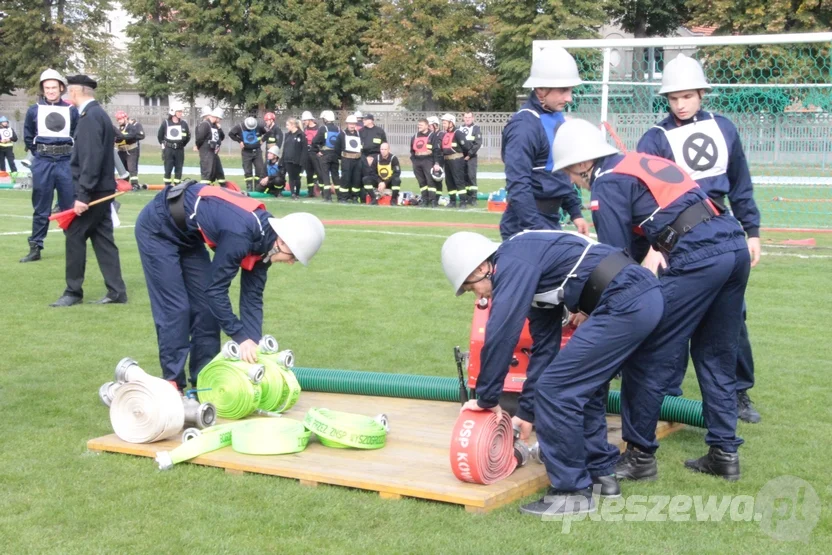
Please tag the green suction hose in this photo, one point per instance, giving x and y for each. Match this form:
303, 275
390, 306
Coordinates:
433, 388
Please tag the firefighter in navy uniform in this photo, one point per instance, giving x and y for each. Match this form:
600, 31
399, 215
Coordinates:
423, 157
208, 136
47, 133
311, 164
174, 135
348, 147
273, 182
371, 136
189, 291
250, 135
93, 169
708, 147
473, 135
382, 171
566, 398
128, 134
323, 148
455, 148
705, 261
7, 139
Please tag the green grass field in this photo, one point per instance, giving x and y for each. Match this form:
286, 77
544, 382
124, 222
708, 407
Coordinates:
375, 298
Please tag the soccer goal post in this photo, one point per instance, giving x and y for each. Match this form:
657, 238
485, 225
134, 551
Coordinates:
777, 89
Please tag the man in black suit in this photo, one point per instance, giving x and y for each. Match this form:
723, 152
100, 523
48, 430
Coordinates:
92, 176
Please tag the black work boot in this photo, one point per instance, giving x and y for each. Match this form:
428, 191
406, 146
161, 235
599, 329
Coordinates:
472, 199
636, 465
717, 462
559, 503
745, 408
34, 253
606, 486
395, 200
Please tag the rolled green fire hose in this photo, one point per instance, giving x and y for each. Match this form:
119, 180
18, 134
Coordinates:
280, 387
229, 386
342, 429
434, 388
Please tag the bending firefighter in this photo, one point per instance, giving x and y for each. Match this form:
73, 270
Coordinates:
189, 290
47, 133
566, 398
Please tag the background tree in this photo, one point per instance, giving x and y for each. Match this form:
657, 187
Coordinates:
61, 34
432, 54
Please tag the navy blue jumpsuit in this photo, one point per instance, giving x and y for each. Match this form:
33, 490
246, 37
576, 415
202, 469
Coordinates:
703, 286
188, 290
566, 398
720, 174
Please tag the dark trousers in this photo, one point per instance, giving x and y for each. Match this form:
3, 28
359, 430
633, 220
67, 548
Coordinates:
455, 178
7, 153
422, 166
312, 170
48, 174
350, 179
745, 363
210, 166
130, 159
177, 270
174, 159
328, 162
96, 224
471, 178
703, 305
571, 393
293, 171
253, 158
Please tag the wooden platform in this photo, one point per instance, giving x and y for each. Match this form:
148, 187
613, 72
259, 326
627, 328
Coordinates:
414, 463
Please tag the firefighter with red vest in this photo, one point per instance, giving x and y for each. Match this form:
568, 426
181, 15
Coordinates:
189, 290
702, 258
323, 146
382, 171
455, 148
312, 166
423, 157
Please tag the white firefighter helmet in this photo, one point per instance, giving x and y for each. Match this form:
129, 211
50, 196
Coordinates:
433, 120
205, 112
449, 117
352, 119
275, 150
250, 123
437, 174
302, 232
51, 74
683, 74
307, 115
218, 113
175, 107
462, 253
578, 141
552, 67
327, 115
358, 114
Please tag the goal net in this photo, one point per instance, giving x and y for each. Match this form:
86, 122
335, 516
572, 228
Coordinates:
777, 89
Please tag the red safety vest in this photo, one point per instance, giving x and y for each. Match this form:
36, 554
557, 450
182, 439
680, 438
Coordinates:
665, 180
246, 203
448, 140
310, 134
420, 145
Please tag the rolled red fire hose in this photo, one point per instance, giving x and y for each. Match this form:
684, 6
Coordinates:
482, 447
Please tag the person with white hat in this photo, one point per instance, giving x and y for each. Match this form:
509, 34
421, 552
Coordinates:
422, 158
250, 135
208, 136
454, 148
48, 129
348, 147
700, 254
189, 290
275, 179
7, 139
539, 272
323, 147
359, 120
437, 175
536, 193
174, 135
708, 147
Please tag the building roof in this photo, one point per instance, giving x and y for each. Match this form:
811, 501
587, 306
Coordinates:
703, 30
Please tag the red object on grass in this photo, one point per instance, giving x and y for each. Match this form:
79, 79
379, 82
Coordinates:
123, 186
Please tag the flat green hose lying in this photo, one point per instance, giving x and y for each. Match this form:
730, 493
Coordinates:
433, 388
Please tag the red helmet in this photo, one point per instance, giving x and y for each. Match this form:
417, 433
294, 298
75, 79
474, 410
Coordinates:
121, 114
269, 116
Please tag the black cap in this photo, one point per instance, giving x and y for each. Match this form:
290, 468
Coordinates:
83, 80
369, 116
